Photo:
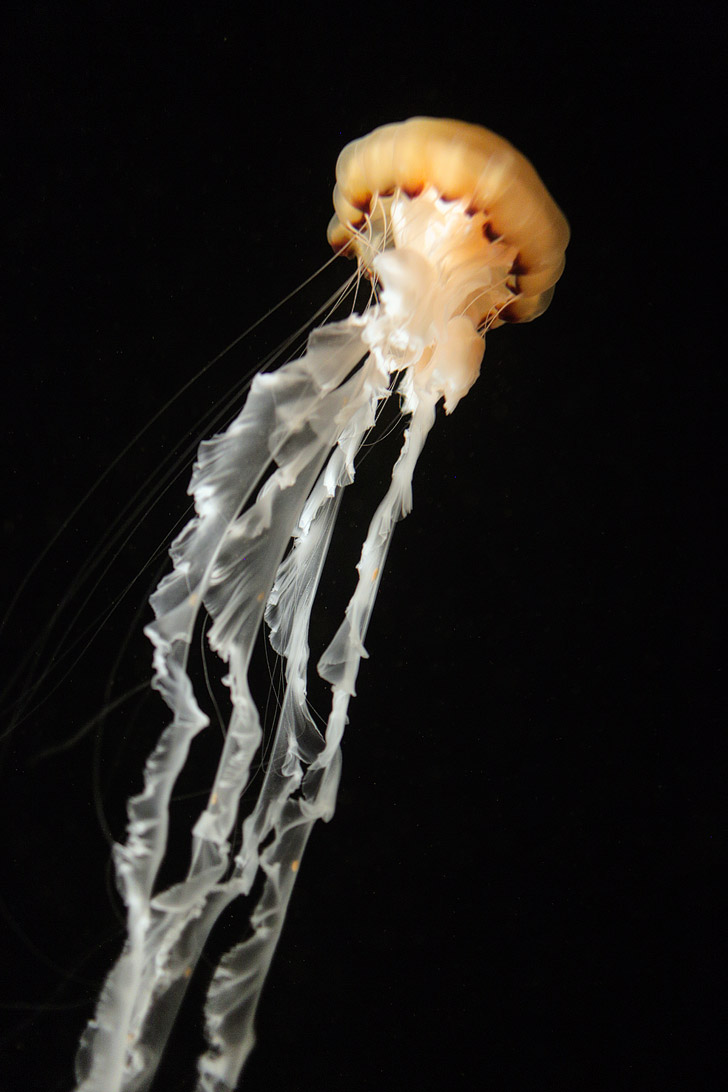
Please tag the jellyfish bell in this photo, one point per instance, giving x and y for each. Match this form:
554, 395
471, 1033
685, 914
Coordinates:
465, 171
459, 231
458, 235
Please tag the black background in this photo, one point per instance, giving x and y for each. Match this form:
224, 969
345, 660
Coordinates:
520, 888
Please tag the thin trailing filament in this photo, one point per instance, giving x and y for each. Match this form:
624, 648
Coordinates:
439, 215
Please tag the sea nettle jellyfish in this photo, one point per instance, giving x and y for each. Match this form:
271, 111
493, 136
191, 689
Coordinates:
457, 235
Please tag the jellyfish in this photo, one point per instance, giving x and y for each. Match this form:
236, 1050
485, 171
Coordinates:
457, 235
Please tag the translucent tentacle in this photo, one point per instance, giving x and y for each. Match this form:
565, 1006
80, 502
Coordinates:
292, 449
225, 558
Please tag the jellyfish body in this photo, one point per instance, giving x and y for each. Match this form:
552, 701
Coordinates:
458, 234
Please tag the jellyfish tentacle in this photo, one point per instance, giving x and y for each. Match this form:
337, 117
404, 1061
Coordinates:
291, 418
227, 560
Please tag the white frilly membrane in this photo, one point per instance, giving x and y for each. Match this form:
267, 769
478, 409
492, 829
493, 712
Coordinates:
266, 493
